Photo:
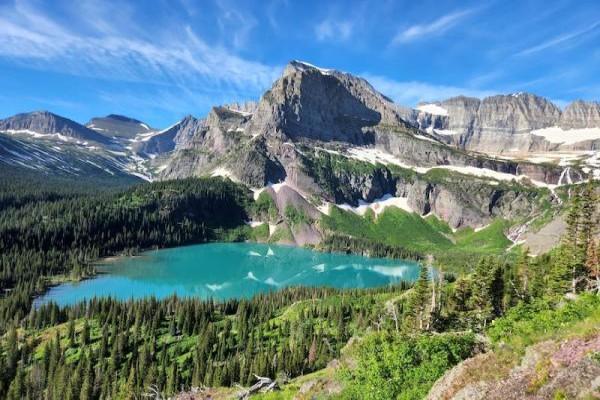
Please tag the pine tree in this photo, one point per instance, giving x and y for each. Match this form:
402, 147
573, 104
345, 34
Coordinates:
85, 333
71, 332
592, 265
418, 302
481, 297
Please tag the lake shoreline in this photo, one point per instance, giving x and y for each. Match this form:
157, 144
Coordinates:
224, 270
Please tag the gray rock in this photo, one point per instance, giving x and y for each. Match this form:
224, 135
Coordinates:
46, 123
118, 126
580, 114
502, 123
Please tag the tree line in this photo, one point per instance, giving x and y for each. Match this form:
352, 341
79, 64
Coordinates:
48, 234
109, 349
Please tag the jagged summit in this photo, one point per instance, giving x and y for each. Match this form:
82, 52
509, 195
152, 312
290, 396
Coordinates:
305, 66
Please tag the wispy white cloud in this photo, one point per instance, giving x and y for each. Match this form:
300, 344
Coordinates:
410, 93
332, 29
434, 28
115, 52
235, 22
561, 40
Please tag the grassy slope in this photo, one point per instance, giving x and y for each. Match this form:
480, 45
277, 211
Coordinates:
523, 326
372, 302
428, 235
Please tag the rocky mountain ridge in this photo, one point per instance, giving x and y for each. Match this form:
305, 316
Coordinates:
376, 148
514, 123
46, 123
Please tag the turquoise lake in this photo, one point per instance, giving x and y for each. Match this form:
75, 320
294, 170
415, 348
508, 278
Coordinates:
228, 270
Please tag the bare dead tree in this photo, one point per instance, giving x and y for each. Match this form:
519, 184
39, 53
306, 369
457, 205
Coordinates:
264, 384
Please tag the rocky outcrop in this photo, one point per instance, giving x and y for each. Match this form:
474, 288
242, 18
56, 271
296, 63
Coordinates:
311, 103
219, 140
46, 123
255, 166
495, 124
461, 201
547, 370
580, 114
165, 140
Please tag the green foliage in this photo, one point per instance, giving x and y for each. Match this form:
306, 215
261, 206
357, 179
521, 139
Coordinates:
399, 228
126, 346
45, 235
394, 227
261, 232
282, 233
366, 247
334, 172
528, 323
265, 207
296, 216
490, 239
403, 367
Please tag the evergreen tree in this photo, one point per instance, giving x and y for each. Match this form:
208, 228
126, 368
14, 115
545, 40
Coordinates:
85, 333
417, 304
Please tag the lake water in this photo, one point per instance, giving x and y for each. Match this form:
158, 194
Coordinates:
227, 270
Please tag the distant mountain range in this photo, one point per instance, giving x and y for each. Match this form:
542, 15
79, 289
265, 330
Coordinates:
330, 137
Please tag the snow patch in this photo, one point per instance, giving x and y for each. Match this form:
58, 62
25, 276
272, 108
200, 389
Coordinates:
161, 168
325, 208
445, 132
375, 156
378, 205
432, 108
277, 186
256, 193
309, 65
556, 134
244, 113
224, 172
425, 138
480, 228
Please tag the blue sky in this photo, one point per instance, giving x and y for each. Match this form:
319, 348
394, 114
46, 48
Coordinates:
160, 60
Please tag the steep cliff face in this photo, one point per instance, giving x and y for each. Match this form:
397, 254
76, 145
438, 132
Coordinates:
312, 103
506, 123
461, 201
580, 114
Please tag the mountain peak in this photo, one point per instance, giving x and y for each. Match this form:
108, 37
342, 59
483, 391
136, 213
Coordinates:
302, 66
46, 123
122, 118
